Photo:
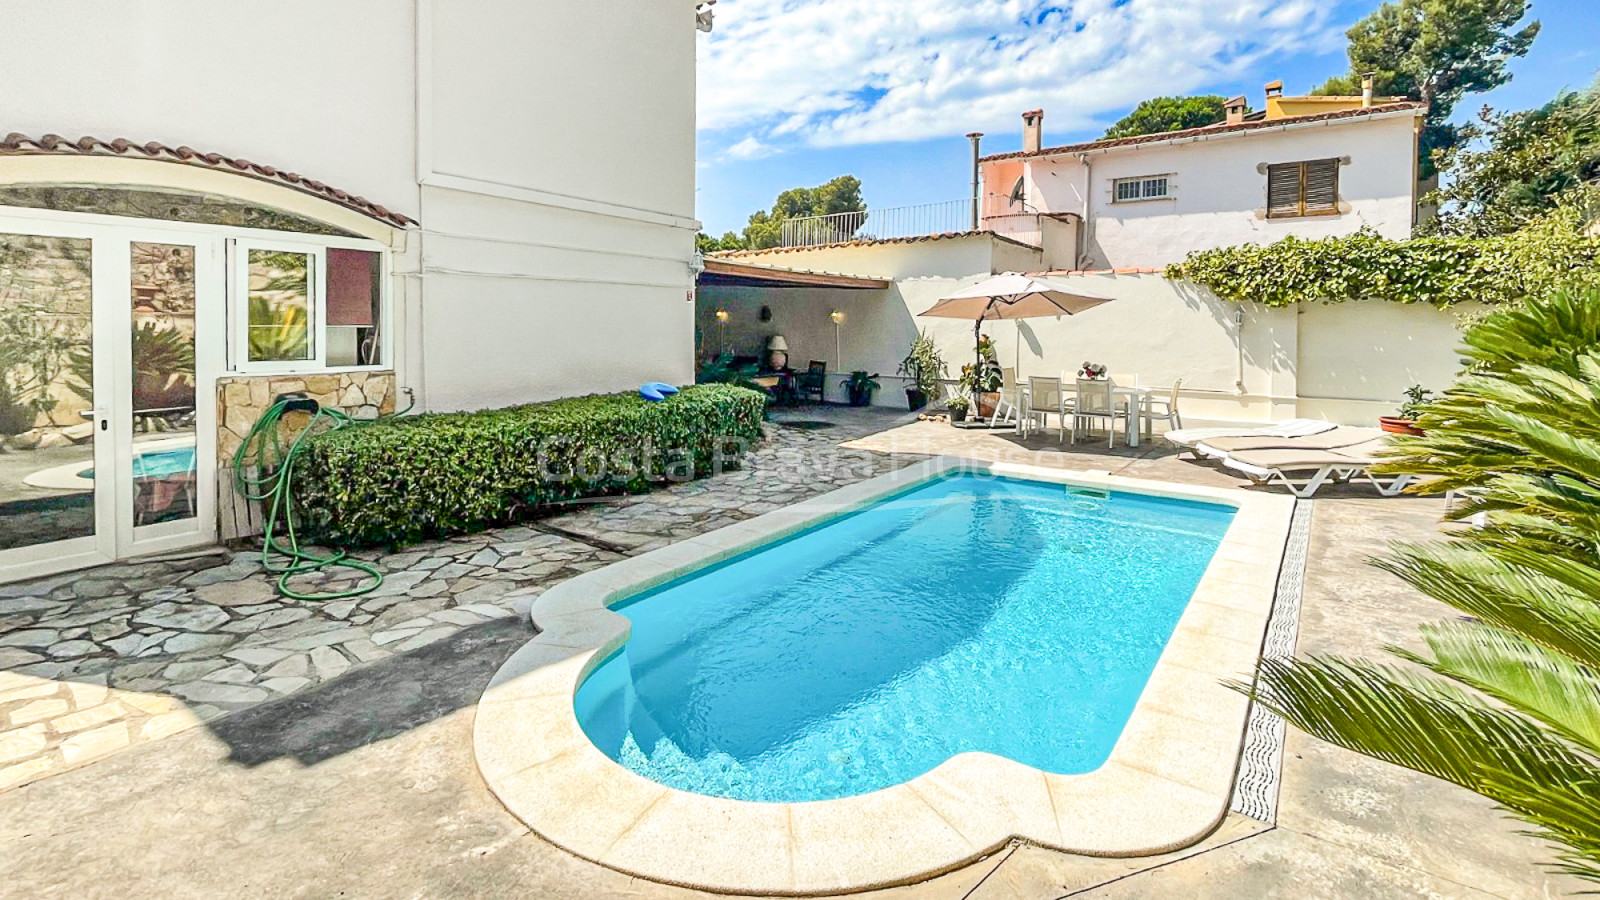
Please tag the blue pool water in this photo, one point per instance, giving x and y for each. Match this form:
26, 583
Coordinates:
970, 613
157, 463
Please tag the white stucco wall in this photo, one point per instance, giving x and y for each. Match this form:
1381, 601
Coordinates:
1218, 189
528, 303
580, 100
1349, 362
323, 89
557, 149
1359, 357
547, 150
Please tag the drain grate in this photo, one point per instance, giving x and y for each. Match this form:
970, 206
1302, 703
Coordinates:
1255, 790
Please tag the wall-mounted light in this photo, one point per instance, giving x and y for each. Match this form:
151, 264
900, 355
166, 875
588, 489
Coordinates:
837, 318
721, 315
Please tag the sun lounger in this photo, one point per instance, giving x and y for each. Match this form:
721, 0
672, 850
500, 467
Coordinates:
1305, 471
1186, 438
1337, 438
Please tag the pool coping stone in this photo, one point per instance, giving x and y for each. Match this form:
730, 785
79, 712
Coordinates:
1166, 785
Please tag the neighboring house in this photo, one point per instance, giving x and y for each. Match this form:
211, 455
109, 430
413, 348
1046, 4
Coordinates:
383, 202
1304, 166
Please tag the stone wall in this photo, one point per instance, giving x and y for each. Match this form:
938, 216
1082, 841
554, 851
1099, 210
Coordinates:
241, 399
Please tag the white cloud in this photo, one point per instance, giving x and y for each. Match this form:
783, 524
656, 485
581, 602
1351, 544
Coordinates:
750, 148
776, 74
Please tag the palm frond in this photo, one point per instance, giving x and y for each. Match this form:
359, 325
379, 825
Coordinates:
1432, 727
1540, 609
1528, 678
1507, 705
1568, 816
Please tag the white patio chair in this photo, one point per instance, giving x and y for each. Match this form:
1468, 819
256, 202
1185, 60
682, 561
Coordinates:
1005, 410
1162, 409
1046, 396
1097, 400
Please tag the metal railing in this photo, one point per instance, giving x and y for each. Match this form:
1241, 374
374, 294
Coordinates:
876, 224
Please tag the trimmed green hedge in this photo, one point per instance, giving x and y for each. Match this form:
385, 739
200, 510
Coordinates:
415, 477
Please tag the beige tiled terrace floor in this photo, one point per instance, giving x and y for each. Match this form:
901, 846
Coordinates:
362, 784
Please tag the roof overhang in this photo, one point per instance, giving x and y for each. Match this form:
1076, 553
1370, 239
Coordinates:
720, 271
19, 148
1408, 109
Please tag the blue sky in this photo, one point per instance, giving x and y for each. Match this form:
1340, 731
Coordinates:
794, 92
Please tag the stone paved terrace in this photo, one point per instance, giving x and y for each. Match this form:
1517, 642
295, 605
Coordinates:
359, 780
97, 661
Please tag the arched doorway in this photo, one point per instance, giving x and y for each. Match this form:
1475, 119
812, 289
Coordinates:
126, 311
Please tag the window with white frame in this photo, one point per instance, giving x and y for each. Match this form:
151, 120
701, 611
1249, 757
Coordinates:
303, 307
1143, 187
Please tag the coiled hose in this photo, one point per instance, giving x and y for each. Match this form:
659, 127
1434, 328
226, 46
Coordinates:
274, 460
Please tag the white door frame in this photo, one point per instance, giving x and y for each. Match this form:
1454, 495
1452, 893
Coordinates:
100, 547
116, 537
210, 301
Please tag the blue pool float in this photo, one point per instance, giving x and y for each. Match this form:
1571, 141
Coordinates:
656, 390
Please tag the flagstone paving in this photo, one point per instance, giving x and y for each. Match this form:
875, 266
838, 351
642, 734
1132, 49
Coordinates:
98, 661
364, 785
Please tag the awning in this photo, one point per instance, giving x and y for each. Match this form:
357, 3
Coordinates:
720, 271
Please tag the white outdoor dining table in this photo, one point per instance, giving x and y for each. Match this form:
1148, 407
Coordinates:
1133, 399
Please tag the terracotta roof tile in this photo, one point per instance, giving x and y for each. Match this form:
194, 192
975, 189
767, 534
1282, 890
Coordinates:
1207, 130
1131, 270
914, 239
54, 144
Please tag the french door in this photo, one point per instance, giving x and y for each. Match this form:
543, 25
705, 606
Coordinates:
111, 341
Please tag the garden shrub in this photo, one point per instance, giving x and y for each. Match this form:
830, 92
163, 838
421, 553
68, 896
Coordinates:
414, 477
1553, 252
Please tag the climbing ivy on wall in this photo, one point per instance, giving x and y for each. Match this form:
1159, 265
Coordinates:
1556, 250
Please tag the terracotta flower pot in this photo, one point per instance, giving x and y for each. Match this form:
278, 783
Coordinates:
1397, 425
986, 404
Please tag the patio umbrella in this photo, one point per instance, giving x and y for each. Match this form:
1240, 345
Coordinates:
1011, 296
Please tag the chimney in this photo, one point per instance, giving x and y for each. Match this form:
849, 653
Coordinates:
976, 138
1275, 88
1366, 89
1235, 109
1032, 130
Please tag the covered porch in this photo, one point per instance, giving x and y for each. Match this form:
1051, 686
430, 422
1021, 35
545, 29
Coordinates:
787, 323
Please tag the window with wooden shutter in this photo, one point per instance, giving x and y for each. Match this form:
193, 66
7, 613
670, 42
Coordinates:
1309, 188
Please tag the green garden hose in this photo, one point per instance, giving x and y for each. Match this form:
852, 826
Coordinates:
265, 449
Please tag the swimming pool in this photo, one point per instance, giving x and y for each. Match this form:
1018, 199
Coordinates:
152, 459
941, 663
157, 464
971, 613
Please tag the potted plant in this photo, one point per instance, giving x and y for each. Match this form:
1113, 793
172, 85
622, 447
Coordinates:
1092, 371
957, 407
982, 379
1404, 420
860, 386
925, 367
